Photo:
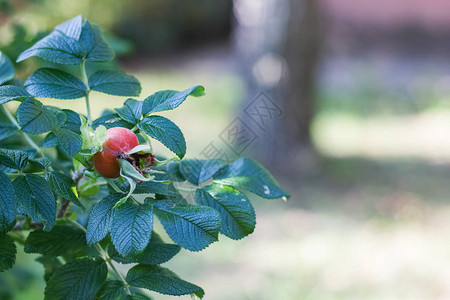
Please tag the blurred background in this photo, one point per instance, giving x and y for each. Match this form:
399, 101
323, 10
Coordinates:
346, 101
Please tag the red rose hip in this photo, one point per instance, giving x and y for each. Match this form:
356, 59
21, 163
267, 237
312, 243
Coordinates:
118, 140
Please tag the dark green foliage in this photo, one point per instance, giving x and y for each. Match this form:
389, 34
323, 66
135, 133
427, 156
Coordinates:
7, 252
52, 83
38, 187
35, 199
238, 216
70, 43
249, 175
197, 171
166, 132
132, 228
61, 240
131, 111
6, 69
61, 185
101, 218
8, 203
14, 159
168, 100
50, 264
111, 290
7, 130
34, 117
12, 93
161, 280
114, 83
191, 226
157, 252
79, 279
69, 141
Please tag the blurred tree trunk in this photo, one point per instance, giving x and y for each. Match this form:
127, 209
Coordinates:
288, 42
298, 88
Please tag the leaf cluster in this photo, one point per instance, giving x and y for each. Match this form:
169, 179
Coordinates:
111, 220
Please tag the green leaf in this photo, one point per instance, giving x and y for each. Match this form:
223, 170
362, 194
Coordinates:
131, 111
172, 195
7, 130
157, 252
41, 162
12, 93
110, 120
61, 185
8, 252
36, 199
6, 69
173, 169
247, 174
112, 290
94, 46
197, 171
56, 48
70, 43
167, 100
14, 159
166, 132
34, 117
79, 279
238, 215
52, 83
50, 264
138, 296
8, 203
50, 140
71, 28
128, 170
152, 187
61, 240
101, 218
191, 226
60, 115
161, 280
69, 141
132, 228
114, 83
73, 121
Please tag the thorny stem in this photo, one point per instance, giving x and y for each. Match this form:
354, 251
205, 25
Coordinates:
85, 81
108, 259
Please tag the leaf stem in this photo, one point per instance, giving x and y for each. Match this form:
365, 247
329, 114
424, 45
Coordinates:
85, 81
113, 185
15, 175
117, 189
107, 259
160, 163
26, 136
185, 189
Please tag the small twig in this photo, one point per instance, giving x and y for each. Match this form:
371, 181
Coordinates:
63, 209
107, 259
33, 225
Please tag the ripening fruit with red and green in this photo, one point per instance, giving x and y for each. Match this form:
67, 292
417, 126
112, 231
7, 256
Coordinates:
118, 140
